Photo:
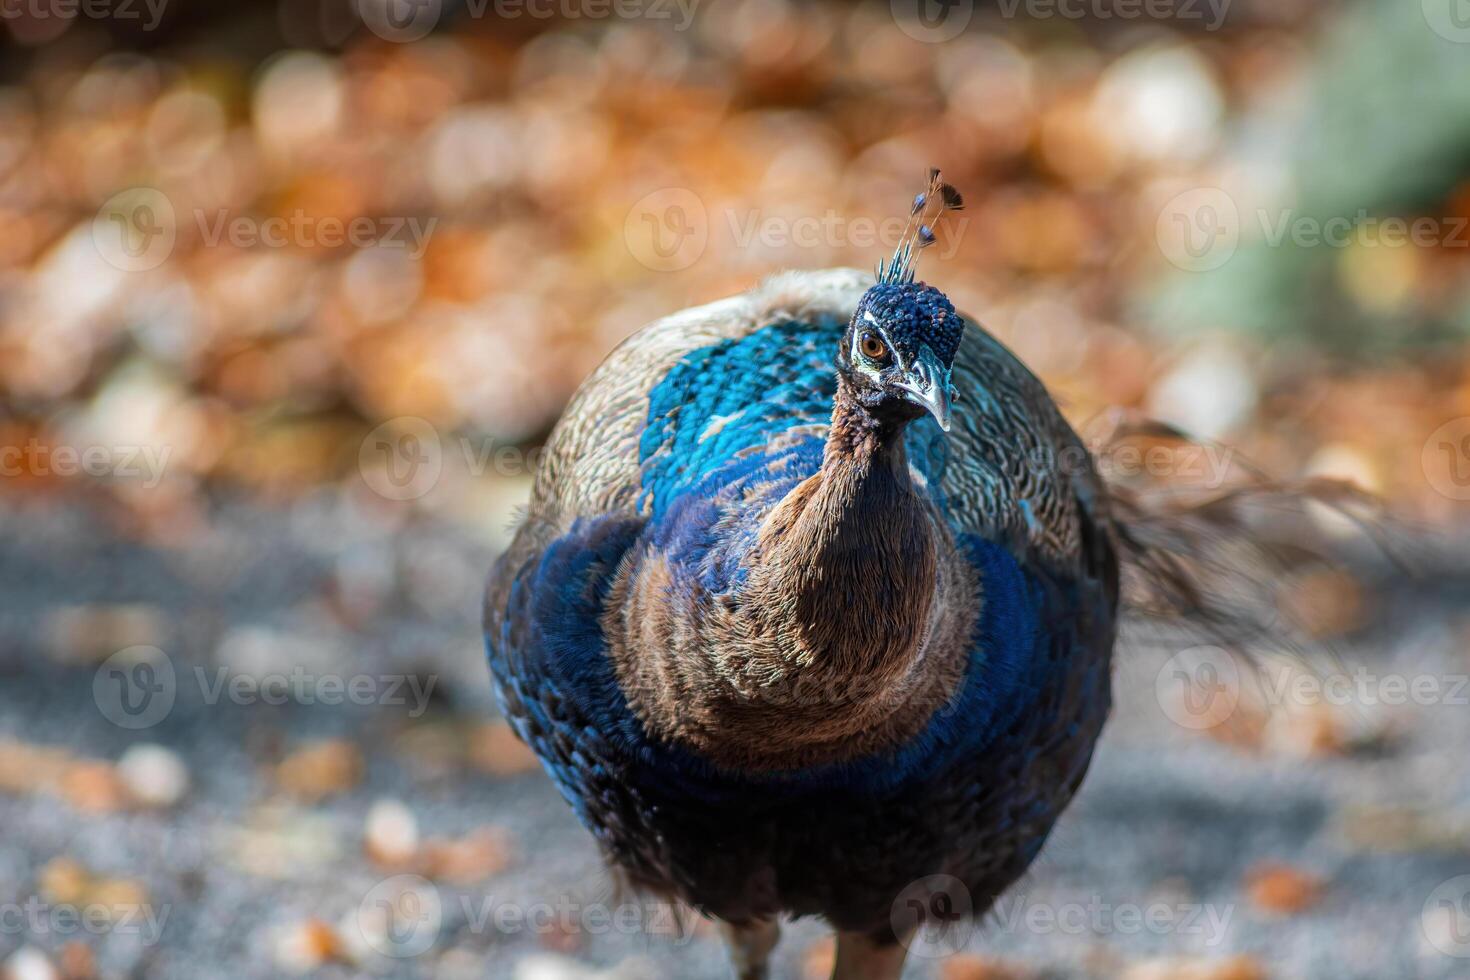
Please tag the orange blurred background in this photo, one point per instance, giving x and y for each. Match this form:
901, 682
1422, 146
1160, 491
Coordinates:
244, 238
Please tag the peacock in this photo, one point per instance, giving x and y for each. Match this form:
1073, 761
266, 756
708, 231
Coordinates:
813, 609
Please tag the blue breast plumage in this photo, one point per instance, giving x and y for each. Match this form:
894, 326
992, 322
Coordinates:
711, 762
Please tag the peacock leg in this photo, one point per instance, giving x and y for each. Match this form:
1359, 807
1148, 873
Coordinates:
861, 957
750, 947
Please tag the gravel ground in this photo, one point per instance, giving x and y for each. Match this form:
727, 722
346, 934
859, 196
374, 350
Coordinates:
1363, 809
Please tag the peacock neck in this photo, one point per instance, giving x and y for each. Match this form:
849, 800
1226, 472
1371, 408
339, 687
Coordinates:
848, 557
839, 607
862, 443
849, 629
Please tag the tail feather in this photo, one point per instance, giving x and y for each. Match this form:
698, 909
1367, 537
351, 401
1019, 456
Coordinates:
1210, 561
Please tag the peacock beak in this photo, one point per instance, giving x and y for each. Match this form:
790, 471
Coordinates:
926, 384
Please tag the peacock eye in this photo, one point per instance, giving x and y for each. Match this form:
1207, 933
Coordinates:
872, 347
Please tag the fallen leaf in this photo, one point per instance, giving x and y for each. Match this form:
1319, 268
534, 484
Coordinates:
321, 770
496, 749
1282, 889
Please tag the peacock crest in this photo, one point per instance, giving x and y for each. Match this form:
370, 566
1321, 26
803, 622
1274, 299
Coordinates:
929, 204
901, 343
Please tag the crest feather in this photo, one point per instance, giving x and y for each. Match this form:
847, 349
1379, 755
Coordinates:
928, 205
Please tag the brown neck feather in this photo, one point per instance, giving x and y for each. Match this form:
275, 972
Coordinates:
849, 555
851, 628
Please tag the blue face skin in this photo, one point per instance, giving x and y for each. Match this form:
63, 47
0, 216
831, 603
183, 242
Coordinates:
899, 350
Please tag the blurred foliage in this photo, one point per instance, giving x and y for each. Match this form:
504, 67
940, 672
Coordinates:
522, 150
1376, 126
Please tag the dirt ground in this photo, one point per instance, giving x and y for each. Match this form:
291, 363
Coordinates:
1309, 842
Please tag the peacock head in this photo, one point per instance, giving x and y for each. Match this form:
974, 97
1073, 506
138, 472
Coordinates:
899, 349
